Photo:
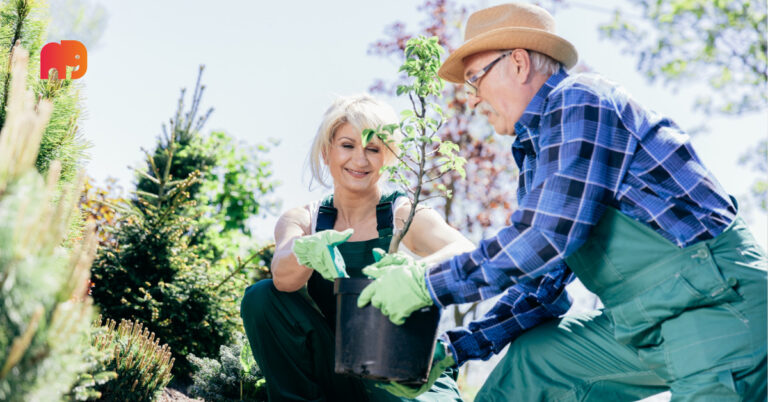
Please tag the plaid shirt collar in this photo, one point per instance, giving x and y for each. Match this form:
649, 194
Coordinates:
527, 128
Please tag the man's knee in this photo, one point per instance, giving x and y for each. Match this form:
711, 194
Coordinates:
528, 350
519, 375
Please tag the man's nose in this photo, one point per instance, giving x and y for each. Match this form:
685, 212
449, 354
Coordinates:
473, 100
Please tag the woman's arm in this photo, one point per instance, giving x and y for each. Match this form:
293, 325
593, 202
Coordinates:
287, 274
431, 237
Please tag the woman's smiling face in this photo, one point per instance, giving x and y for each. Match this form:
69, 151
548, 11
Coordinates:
352, 166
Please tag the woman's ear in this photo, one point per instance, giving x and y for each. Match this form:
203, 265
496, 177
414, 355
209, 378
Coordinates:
325, 156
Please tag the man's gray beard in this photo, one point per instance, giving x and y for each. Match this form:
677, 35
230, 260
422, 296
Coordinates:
484, 107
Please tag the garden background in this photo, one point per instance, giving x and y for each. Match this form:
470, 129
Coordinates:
271, 69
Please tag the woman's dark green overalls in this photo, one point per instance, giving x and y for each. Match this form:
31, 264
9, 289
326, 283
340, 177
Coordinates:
292, 334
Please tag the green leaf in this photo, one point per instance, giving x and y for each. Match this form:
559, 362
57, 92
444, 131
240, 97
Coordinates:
461, 172
367, 135
448, 148
390, 128
246, 358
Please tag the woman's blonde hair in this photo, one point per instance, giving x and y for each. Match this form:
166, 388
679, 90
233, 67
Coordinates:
361, 111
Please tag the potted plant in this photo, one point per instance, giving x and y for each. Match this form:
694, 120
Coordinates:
367, 343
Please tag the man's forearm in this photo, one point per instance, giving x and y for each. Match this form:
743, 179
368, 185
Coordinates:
522, 307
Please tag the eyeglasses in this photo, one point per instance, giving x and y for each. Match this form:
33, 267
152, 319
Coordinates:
474, 81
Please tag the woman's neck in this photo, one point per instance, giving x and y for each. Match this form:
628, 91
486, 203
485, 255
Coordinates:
355, 207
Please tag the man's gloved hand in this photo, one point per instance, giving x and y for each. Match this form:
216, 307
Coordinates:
441, 360
384, 259
318, 251
399, 288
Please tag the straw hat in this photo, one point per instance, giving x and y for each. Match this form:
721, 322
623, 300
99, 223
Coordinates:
509, 26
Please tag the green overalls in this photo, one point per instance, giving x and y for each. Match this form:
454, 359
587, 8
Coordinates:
690, 320
292, 334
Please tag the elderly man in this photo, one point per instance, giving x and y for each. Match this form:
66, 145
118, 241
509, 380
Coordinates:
615, 194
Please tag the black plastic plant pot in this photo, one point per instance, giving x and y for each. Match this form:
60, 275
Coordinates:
369, 345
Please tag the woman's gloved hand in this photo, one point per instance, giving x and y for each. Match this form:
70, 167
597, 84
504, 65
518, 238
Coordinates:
319, 252
441, 360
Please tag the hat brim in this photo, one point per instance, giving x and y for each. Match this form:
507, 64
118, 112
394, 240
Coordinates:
508, 38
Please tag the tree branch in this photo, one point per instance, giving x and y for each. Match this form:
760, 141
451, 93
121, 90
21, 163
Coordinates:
437, 177
243, 264
399, 157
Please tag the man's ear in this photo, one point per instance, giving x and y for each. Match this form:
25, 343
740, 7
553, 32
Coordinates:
521, 62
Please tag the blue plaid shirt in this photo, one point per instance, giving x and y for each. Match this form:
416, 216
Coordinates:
582, 145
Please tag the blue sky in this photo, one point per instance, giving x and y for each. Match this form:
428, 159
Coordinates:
272, 68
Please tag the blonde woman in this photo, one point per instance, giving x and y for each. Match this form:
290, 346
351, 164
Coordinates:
291, 330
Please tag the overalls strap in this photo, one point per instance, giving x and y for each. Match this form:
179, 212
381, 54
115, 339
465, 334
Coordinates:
384, 213
326, 215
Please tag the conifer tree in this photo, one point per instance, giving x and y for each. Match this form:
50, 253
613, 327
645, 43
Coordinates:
45, 312
25, 21
166, 265
236, 181
151, 274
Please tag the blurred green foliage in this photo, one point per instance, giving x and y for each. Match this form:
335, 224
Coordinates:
44, 308
26, 21
721, 43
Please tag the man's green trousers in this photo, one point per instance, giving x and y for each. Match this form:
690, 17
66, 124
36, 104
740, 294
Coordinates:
690, 320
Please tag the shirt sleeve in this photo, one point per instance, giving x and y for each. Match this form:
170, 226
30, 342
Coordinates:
582, 153
522, 307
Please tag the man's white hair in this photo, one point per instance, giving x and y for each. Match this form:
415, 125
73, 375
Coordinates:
543, 63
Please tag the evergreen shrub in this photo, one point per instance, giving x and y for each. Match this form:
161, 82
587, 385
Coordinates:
136, 368
235, 376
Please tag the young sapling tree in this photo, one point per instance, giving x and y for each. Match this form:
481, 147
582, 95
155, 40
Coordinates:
422, 156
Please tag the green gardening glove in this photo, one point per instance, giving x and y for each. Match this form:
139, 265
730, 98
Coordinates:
384, 259
440, 362
399, 288
319, 252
